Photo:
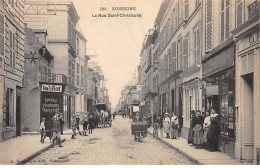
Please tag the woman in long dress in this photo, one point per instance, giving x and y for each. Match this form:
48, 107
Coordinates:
191, 132
213, 131
198, 131
166, 125
206, 125
174, 126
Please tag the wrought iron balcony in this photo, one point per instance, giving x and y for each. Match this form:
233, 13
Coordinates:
53, 78
253, 9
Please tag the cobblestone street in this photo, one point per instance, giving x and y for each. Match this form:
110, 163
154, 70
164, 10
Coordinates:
112, 145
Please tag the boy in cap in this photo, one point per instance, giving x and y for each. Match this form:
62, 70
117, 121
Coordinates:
42, 130
56, 128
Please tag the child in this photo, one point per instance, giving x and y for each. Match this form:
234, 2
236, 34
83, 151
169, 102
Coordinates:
74, 127
91, 124
42, 130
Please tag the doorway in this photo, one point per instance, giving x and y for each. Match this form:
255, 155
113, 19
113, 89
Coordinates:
248, 108
18, 116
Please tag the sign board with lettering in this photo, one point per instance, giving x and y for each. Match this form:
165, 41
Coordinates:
212, 90
51, 103
52, 88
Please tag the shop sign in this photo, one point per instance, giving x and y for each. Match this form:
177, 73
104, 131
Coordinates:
52, 88
51, 103
212, 90
135, 109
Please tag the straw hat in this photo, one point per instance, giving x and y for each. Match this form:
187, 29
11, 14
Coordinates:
166, 114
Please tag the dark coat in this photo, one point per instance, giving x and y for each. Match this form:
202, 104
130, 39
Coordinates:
56, 126
197, 120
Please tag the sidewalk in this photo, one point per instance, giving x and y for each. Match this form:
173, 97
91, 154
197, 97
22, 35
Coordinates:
22, 149
200, 156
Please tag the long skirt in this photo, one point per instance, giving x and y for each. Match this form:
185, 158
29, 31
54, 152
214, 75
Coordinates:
190, 136
213, 136
166, 127
205, 134
198, 134
174, 132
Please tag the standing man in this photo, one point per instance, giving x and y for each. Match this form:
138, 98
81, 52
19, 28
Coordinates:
61, 122
78, 119
56, 129
114, 115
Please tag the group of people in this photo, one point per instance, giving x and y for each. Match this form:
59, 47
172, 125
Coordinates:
53, 128
203, 133
88, 123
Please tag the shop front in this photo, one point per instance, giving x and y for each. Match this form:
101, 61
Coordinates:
218, 92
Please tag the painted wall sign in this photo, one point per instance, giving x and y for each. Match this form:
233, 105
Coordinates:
51, 103
52, 88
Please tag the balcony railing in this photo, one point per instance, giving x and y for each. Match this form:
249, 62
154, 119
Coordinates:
253, 9
53, 78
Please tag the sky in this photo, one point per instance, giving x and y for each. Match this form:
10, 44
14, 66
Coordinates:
117, 41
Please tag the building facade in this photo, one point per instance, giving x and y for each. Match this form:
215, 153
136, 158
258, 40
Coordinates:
247, 61
11, 67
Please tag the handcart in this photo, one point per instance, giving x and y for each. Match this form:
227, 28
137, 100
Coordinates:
139, 130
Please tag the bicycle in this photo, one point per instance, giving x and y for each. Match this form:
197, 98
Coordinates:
155, 130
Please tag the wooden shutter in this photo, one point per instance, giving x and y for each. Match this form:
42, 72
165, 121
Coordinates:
198, 46
174, 54
209, 27
227, 19
239, 17
2, 32
185, 53
186, 8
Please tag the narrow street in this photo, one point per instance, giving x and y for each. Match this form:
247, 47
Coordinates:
112, 145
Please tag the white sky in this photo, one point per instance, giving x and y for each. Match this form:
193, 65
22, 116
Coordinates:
116, 41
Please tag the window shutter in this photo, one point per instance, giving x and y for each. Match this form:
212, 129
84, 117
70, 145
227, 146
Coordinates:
209, 41
186, 6
185, 53
222, 33
227, 20
198, 46
174, 66
239, 18
2, 32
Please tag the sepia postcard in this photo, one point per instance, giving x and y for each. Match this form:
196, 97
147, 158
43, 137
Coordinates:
129, 82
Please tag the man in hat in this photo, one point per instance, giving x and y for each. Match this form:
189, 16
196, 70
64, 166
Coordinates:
43, 130
56, 129
61, 122
166, 125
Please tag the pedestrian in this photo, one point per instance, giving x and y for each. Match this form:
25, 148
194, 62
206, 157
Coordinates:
78, 120
114, 115
206, 125
56, 129
43, 130
174, 126
191, 131
198, 129
159, 120
166, 125
85, 124
61, 122
74, 126
213, 131
91, 124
